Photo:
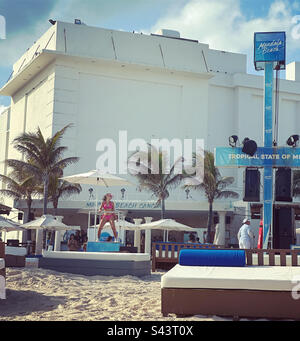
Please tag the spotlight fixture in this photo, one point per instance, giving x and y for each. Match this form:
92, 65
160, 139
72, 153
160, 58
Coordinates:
293, 140
187, 191
249, 146
123, 192
91, 193
233, 140
52, 22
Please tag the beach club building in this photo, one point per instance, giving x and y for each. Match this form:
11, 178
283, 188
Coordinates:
112, 84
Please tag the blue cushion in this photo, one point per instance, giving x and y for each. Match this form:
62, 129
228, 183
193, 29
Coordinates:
210, 257
102, 247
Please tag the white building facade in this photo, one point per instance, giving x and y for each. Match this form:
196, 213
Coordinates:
151, 86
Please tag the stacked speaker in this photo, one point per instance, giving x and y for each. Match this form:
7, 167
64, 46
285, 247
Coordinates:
283, 227
283, 185
283, 215
252, 185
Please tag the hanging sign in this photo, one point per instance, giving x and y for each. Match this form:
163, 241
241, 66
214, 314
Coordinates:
269, 47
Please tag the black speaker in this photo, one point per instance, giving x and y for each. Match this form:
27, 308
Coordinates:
283, 228
252, 185
283, 185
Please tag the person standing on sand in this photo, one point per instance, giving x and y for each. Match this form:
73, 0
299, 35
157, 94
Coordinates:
108, 216
245, 235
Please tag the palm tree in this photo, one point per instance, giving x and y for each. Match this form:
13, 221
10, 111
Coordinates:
61, 189
156, 176
20, 185
213, 186
43, 157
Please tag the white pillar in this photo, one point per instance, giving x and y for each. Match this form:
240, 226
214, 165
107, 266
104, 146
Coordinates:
220, 229
57, 240
58, 235
137, 234
39, 241
148, 236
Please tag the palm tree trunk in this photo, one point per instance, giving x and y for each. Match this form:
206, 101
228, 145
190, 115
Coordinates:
29, 203
55, 205
54, 233
209, 222
163, 209
46, 185
40, 235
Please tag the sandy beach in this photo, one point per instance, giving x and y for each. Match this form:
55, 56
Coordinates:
45, 295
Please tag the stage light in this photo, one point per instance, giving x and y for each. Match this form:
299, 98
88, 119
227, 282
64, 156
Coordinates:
52, 22
123, 190
187, 191
249, 146
293, 140
233, 140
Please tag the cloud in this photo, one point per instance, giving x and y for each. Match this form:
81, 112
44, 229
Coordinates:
24, 14
92, 12
27, 20
224, 26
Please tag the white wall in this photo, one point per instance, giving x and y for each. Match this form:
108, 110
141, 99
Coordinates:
101, 100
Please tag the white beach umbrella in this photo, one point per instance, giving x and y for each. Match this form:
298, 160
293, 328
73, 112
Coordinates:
8, 225
166, 224
48, 222
97, 178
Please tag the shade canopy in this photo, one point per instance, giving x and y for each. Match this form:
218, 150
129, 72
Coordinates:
166, 224
48, 222
121, 223
8, 225
97, 178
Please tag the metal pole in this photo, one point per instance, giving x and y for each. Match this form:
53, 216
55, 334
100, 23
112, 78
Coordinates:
95, 218
268, 142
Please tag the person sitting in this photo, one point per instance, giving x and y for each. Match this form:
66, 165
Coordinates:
72, 243
192, 238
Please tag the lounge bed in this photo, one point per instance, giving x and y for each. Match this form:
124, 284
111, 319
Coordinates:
253, 291
15, 256
97, 263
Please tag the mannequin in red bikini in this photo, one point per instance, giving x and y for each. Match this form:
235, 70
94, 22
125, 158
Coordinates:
108, 216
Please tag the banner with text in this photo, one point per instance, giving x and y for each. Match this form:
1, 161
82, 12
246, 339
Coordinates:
264, 157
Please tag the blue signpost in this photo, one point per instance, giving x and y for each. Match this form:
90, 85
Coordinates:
269, 52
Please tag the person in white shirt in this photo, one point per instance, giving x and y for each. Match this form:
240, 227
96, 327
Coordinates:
245, 235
